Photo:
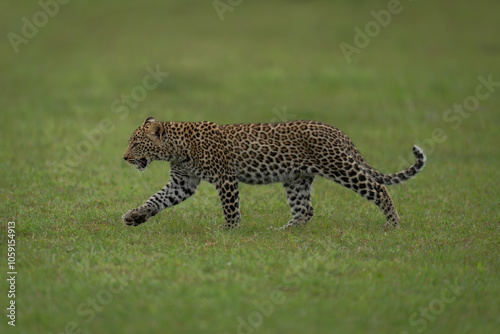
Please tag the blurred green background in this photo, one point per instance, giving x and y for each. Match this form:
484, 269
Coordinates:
263, 62
258, 61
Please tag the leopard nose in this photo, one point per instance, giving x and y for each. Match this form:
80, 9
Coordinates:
125, 158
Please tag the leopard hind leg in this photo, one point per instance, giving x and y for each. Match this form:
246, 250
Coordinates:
298, 193
353, 176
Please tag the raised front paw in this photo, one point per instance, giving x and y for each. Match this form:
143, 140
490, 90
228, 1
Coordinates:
137, 216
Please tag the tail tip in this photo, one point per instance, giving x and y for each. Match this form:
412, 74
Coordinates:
419, 153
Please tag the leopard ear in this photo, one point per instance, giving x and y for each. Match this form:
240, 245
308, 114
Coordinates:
150, 119
156, 131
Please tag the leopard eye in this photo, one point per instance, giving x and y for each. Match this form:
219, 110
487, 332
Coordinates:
134, 145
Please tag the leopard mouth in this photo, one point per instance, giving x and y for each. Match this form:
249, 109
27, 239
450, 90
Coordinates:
141, 164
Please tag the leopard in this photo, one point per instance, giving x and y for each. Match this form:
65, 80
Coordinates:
292, 153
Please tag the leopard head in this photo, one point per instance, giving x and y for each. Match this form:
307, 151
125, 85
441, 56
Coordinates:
145, 144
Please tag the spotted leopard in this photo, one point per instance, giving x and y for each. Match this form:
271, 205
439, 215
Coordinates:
292, 153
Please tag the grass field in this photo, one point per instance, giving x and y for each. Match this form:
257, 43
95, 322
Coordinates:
74, 90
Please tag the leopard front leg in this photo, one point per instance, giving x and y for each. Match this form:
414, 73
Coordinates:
178, 189
227, 188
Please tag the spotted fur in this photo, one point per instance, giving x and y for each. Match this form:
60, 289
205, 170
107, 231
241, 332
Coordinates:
292, 153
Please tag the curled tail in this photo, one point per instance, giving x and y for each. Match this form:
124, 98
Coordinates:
408, 173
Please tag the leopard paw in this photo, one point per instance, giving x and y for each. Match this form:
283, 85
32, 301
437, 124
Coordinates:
137, 216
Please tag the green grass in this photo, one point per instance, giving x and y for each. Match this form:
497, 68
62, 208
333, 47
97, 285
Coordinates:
266, 61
